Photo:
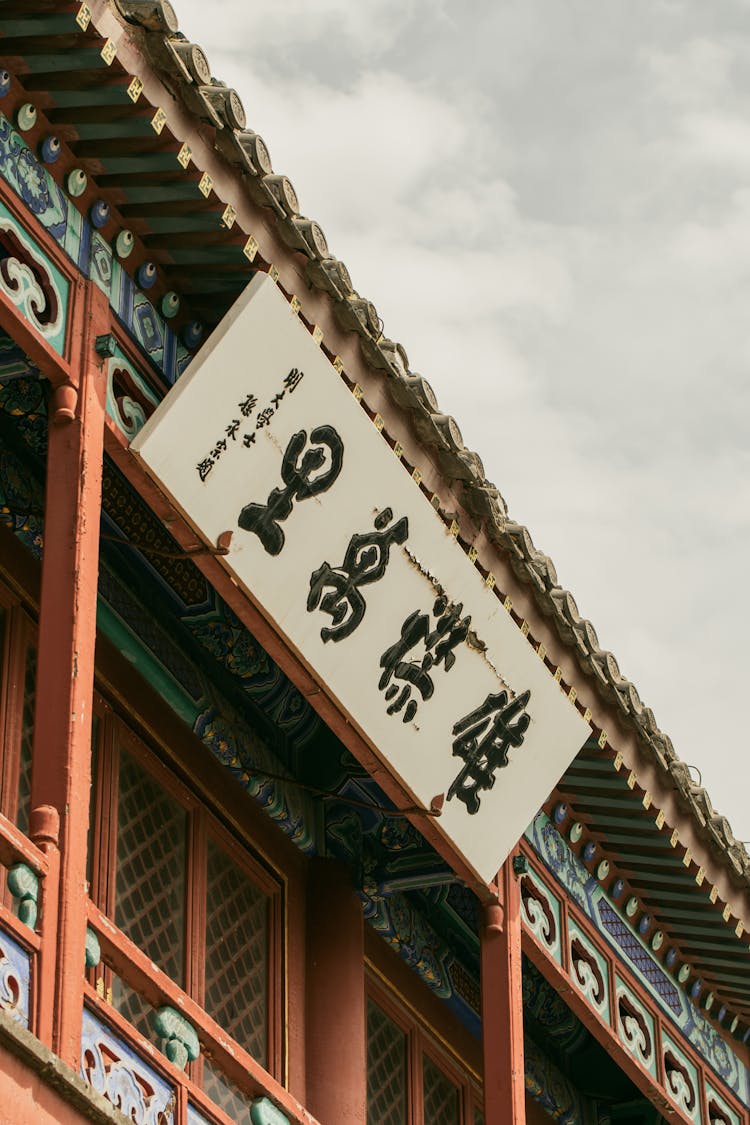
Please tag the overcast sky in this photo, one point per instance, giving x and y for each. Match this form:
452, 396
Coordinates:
548, 201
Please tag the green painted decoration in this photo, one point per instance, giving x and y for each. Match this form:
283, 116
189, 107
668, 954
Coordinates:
93, 949
26, 117
264, 1112
182, 1044
23, 884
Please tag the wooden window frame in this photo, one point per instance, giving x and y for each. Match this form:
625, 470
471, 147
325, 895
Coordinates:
425, 1041
20, 634
203, 822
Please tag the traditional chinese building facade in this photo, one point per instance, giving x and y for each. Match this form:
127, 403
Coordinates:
234, 890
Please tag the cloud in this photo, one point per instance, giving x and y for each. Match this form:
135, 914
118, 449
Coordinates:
548, 206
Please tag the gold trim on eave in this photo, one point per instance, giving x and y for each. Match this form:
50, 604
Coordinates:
228, 216
135, 89
205, 184
159, 120
83, 16
109, 52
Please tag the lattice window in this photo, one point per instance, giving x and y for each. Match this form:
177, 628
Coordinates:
237, 954
150, 886
386, 1070
441, 1097
225, 1094
27, 737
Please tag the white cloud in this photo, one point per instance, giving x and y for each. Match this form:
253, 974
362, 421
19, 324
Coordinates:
549, 210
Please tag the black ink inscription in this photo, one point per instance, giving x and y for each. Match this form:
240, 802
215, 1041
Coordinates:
365, 562
298, 472
439, 643
483, 740
293, 379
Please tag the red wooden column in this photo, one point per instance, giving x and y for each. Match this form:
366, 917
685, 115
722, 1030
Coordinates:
61, 761
336, 1021
502, 1004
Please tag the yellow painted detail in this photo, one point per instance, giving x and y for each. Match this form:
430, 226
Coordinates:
159, 120
135, 89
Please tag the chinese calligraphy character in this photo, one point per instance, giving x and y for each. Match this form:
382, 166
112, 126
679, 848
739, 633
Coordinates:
293, 379
220, 447
248, 406
450, 631
249, 439
364, 562
204, 467
483, 740
276, 400
232, 428
264, 417
298, 471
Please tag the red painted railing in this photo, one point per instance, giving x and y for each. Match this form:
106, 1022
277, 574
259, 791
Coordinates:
131, 965
38, 936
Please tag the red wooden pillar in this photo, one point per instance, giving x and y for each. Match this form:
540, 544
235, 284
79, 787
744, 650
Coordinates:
336, 1019
61, 760
502, 1004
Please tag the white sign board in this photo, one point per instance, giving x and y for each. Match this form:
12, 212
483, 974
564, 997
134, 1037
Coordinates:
347, 557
